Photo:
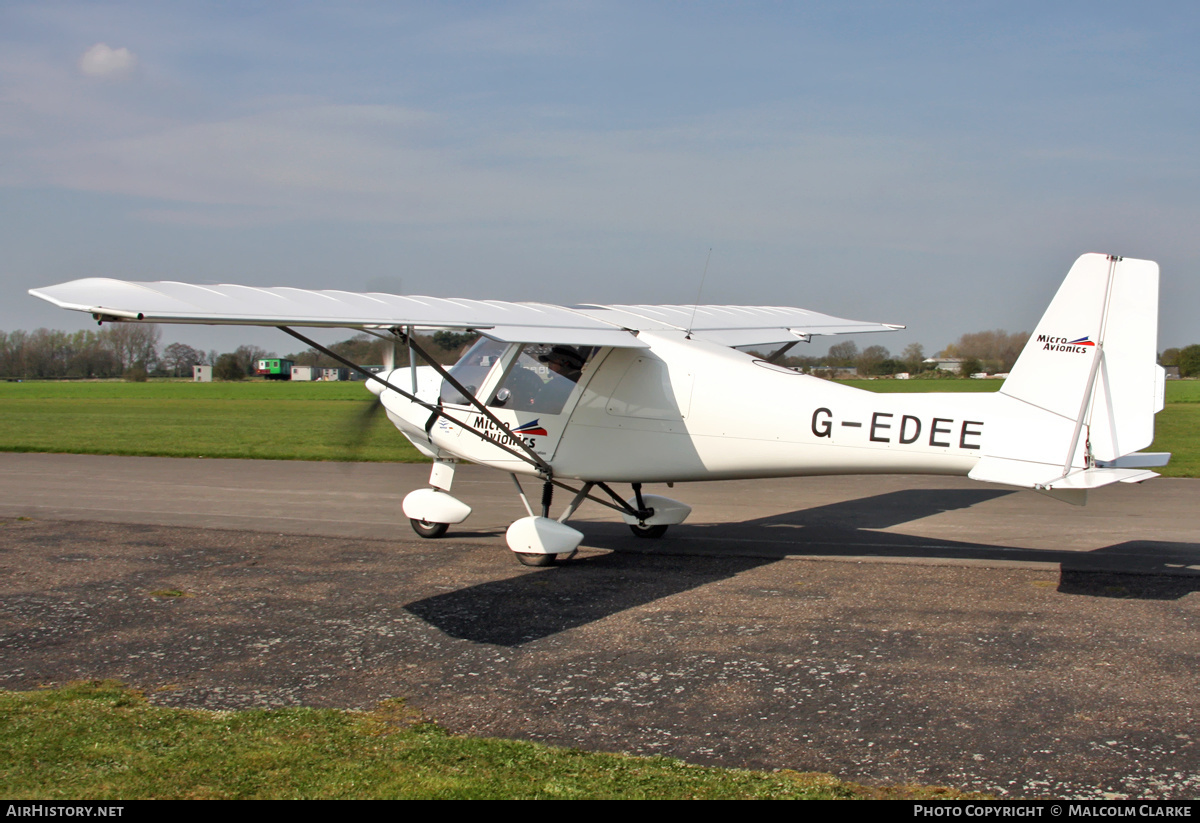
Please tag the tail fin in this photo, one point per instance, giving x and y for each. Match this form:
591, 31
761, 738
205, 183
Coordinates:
1092, 361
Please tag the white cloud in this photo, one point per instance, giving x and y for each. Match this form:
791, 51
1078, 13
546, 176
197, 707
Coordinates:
103, 61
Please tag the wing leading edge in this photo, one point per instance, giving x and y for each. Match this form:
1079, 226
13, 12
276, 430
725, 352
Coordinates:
593, 325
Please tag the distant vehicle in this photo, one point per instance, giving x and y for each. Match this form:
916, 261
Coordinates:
275, 368
586, 396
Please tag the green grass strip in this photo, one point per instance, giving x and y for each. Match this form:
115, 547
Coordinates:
100, 741
270, 421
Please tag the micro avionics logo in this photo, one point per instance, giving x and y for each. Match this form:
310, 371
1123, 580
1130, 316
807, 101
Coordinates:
1082, 345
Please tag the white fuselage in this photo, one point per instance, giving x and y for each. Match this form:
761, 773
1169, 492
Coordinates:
689, 410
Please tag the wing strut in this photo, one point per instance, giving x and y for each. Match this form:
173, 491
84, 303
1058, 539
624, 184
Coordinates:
531, 458
774, 356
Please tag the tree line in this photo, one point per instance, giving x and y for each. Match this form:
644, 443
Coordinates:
113, 351
1186, 359
132, 351
993, 352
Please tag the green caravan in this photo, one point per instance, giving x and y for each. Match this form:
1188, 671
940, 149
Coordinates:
275, 368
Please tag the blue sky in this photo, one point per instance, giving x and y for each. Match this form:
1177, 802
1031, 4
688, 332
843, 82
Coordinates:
936, 164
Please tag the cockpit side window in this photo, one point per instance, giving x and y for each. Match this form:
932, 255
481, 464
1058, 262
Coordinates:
471, 369
542, 378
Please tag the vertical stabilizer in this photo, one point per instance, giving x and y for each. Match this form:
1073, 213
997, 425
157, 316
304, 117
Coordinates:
1088, 384
1092, 358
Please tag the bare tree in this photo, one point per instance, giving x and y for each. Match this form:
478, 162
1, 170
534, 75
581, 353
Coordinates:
133, 344
178, 359
913, 357
996, 350
843, 354
871, 359
53, 353
247, 356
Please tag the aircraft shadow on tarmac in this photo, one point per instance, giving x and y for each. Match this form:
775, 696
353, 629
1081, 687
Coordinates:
851, 529
591, 588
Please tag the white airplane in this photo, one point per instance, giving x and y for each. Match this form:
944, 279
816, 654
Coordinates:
582, 397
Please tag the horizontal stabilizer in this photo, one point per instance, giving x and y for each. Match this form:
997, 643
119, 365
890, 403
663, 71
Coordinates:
1044, 476
1011, 472
1137, 460
1095, 478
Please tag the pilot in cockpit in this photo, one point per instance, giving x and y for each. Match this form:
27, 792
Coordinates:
565, 361
566, 367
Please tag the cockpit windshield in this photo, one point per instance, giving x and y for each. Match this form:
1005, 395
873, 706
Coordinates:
471, 369
542, 378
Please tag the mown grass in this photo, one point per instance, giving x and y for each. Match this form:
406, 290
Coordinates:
1177, 430
98, 741
322, 421
276, 421
888, 386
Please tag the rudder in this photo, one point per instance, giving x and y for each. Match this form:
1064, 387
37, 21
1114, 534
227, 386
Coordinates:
1092, 357
1088, 383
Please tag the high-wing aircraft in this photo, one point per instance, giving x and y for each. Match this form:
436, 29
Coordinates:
585, 397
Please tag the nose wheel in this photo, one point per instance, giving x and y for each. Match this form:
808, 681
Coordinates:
428, 530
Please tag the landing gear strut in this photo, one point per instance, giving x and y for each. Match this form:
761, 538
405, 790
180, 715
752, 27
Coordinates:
640, 529
541, 560
432, 510
538, 540
649, 515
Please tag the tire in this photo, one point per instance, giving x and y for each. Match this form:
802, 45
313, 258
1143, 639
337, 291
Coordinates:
429, 530
648, 532
539, 560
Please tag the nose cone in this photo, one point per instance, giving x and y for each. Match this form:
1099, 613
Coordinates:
428, 383
375, 387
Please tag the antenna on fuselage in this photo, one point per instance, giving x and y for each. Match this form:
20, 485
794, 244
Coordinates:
696, 305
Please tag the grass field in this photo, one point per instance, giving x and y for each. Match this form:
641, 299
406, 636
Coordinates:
97, 741
255, 419
320, 421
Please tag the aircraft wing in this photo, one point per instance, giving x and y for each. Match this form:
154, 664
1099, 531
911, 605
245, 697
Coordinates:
170, 302
735, 325
589, 325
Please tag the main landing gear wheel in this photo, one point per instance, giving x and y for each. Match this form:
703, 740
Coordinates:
542, 560
649, 532
428, 530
